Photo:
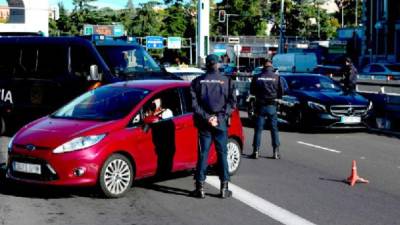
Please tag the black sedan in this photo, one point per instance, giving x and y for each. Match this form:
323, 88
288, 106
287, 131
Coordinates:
316, 101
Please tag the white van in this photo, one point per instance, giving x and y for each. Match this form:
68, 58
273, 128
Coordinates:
295, 62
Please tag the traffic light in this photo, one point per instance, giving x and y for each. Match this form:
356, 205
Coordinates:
221, 16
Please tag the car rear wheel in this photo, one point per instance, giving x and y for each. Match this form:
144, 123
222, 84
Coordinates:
234, 156
116, 176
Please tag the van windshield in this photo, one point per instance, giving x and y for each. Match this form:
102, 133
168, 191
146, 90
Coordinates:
105, 103
124, 60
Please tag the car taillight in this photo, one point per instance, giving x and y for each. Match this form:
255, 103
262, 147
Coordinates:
390, 77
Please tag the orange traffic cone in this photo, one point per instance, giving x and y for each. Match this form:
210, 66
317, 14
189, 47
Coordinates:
353, 178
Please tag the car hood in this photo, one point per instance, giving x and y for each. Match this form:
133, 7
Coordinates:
332, 97
52, 132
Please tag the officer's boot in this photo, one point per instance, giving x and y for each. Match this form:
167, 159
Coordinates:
199, 191
255, 153
225, 192
277, 155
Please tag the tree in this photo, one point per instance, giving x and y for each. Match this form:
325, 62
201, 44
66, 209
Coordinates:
147, 21
349, 8
174, 22
81, 14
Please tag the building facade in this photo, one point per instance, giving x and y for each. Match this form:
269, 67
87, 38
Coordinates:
381, 21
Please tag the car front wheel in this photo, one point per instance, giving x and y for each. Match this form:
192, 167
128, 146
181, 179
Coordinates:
116, 176
234, 156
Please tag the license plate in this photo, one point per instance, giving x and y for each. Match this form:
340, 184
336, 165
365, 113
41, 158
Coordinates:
27, 168
350, 119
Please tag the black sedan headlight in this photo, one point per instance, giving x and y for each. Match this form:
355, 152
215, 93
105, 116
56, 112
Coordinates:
316, 106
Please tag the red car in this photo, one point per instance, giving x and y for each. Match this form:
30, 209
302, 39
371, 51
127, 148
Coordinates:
104, 138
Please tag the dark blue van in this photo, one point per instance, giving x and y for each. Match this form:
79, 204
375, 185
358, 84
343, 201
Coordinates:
40, 74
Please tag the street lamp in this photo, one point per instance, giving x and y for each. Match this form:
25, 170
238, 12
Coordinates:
281, 29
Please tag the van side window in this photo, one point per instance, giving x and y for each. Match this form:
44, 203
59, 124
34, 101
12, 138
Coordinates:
81, 60
8, 60
35, 61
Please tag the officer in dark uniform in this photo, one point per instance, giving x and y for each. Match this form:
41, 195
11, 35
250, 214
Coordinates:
213, 101
349, 75
266, 87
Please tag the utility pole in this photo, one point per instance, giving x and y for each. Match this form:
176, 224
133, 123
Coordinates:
356, 13
227, 22
341, 4
280, 50
203, 26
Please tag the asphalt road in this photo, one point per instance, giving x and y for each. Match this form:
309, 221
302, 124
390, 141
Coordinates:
308, 182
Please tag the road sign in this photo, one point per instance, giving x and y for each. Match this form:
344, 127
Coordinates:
174, 42
109, 30
154, 42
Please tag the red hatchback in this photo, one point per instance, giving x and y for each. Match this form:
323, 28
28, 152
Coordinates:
104, 138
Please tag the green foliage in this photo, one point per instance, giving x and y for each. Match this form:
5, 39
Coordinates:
147, 21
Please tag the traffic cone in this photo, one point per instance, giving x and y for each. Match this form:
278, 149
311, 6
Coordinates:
353, 178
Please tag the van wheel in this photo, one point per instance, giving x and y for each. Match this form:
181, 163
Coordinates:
116, 176
2, 126
234, 156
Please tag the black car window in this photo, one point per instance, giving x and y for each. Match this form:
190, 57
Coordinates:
9, 58
394, 68
81, 60
377, 68
313, 83
169, 100
105, 103
125, 60
34, 61
187, 100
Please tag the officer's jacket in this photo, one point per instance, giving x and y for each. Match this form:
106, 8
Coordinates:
213, 94
266, 87
349, 75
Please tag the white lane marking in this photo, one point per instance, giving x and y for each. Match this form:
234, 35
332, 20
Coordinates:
275, 212
320, 147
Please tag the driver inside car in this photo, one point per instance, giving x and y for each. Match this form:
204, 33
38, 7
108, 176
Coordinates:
156, 110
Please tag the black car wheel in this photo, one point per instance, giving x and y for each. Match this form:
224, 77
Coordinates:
116, 176
234, 155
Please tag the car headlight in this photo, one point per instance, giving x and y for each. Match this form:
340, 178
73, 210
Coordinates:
79, 143
10, 144
316, 106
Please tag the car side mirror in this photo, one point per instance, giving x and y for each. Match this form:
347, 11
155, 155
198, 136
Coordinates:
94, 73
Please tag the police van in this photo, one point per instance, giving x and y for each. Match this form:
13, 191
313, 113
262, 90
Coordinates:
40, 74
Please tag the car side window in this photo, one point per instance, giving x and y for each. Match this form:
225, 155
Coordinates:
165, 105
186, 100
81, 60
377, 68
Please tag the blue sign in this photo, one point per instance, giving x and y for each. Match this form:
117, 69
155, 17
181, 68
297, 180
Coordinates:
154, 42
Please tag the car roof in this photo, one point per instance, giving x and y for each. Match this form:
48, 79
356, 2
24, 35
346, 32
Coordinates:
177, 69
151, 85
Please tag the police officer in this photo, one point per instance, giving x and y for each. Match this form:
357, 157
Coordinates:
349, 75
213, 100
266, 87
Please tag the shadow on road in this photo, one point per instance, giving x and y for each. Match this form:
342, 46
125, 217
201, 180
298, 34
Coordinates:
334, 180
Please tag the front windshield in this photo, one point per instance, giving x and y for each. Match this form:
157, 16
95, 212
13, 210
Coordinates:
105, 103
125, 60
313, 83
